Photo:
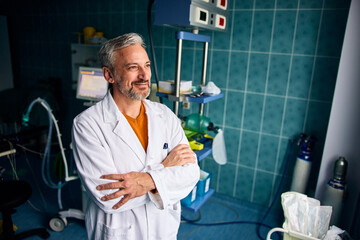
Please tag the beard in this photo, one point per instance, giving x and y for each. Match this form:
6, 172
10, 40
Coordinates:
130, 93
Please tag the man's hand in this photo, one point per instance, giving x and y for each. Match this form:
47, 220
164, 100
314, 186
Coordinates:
130, 185
180, 156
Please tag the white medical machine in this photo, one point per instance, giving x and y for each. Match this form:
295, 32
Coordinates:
91, 85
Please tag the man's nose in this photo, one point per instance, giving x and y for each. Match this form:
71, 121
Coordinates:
145, 73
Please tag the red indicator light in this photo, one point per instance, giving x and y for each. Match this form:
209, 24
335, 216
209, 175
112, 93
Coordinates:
223, 3
221, 21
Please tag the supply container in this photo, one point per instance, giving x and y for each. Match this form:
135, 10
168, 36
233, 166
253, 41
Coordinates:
168, 86
190, 198
203, 185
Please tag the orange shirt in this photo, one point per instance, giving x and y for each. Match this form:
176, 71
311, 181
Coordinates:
139, 125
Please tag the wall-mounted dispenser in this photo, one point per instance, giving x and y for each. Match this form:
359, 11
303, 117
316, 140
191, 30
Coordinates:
193, 14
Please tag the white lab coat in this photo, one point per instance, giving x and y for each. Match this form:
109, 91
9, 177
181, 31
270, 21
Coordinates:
104, 143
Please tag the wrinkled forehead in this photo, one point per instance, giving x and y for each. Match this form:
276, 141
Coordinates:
131, 54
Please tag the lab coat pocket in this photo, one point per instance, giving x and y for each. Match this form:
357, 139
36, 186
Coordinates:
107, 233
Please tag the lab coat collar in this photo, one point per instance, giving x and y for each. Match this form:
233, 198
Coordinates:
150, 108
111, 113
123, 129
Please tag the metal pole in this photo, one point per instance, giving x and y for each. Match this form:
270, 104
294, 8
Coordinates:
203, 77
177, 75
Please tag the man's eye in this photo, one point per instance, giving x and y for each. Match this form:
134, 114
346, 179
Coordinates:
133, 67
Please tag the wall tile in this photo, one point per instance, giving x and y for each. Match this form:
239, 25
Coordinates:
234, 109
287, 4
257, 73
318, 114
301, 73
241, 30
310, 4
337, 4
226, 179
169, 64
324, 78
294, 117
187, 64
246, 4
264, 4
248, 149
244, 183
238, 68
253, 110
278, 74
263, 188
274, 109
216, 111
286, 155
219, 64
128, 24
268, 153
284, 31
332, 33
262, 31
232, 137
307, 32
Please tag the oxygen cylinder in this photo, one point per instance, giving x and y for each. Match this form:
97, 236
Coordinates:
303, 165
335, 191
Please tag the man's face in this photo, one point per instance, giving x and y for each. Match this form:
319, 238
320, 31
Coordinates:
133, 72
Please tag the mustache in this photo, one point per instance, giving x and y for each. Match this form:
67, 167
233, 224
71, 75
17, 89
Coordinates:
139, 81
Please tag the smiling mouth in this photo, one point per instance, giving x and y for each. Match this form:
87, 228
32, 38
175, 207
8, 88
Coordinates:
141, 83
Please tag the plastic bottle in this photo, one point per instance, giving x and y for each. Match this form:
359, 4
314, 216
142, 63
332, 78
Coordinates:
303, 165
335, 190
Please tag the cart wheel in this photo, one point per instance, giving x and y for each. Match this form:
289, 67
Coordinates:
58, 224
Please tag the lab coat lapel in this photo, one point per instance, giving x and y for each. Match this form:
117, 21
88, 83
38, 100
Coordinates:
122, 128
156, 129
128, 136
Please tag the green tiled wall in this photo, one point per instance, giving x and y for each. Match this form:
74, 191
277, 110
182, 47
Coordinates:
276, 66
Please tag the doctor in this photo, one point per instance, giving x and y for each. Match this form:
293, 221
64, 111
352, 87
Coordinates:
132, 154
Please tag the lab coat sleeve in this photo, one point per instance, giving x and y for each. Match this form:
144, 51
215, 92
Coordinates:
93, 160
174, 183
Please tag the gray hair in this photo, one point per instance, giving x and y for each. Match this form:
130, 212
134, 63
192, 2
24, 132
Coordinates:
107, 52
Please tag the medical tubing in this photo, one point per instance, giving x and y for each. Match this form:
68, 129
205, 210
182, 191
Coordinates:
59, 195
287, 160
150, 3
223, 223
67, 178
198, 218
45, 171
51, 115
45, 160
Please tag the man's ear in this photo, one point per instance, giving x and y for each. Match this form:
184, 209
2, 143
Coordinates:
108, 75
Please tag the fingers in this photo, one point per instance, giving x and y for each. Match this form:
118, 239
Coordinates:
112, 185
182, 147
113, 176
116, 194
124, 200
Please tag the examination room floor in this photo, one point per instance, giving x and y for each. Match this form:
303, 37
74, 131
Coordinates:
43, 205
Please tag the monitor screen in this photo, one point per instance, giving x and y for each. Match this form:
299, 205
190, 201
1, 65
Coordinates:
91, 84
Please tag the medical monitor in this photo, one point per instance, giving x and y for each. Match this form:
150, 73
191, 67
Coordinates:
91, 84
